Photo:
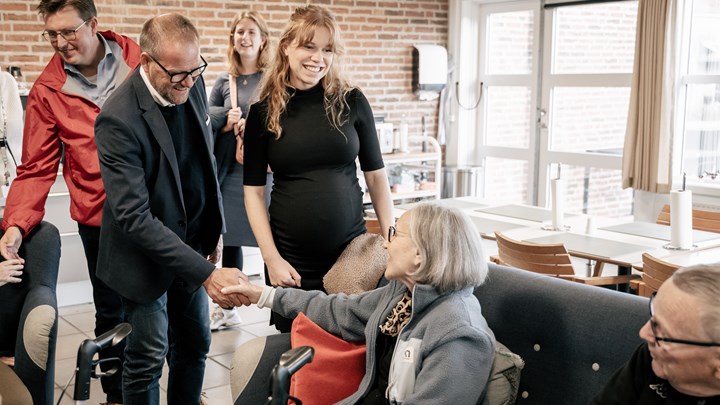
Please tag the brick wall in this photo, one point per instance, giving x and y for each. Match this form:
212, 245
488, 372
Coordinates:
378, 36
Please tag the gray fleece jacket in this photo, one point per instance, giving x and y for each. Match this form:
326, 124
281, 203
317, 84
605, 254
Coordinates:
442, 356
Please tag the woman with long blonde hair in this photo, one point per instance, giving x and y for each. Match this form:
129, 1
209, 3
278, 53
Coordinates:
310, 126
230, 100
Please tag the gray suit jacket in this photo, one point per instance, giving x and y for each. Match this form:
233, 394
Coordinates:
142, 239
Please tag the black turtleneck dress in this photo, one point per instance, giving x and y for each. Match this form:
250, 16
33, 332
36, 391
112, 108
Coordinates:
316, 202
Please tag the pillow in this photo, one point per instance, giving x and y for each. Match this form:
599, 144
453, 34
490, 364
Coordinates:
359, 267
336, 369
504, 380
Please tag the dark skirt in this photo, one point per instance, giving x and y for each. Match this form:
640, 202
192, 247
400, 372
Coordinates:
238, 231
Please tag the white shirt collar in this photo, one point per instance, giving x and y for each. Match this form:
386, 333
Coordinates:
154, 93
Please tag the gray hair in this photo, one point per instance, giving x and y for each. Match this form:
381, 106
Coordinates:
703, 282
450, 248
166, 27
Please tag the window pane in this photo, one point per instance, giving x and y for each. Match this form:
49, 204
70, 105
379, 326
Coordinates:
702, 130
598, 38
705, 38
589, 119
506, 180
510, 38
596, 192
508, 116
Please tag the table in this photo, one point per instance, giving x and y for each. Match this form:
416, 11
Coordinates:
691, 257
459, 203
613, 242
526, 212
596, 248
487, 227
659, 231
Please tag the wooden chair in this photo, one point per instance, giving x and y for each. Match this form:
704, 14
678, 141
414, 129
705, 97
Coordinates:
702, 220
655, 272
373, 226
550, 259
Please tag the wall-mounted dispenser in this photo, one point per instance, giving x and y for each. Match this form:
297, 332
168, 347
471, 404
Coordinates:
430, 63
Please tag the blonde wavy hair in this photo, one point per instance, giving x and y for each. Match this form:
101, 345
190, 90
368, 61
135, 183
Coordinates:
300, 30
234, 62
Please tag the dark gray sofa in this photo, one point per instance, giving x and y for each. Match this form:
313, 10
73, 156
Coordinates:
572, 337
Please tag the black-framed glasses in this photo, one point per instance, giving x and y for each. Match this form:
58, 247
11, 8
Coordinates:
653, 326
178, 77
392, 233
69, 35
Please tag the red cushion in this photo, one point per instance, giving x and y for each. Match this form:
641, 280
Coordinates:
336, 369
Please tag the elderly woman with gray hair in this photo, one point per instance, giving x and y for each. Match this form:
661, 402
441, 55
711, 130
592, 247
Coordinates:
427, 308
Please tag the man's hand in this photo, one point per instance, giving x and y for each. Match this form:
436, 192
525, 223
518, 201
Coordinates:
11, 271
246, 288
224, 277
10, 243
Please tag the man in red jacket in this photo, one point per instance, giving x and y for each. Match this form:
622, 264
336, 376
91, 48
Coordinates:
87, 67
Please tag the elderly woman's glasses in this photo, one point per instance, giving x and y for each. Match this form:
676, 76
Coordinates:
392, 233
178, 77
653, 326
69, 35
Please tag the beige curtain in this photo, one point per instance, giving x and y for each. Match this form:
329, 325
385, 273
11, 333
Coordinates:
647, 159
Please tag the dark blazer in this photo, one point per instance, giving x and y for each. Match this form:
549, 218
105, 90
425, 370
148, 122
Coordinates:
142, 239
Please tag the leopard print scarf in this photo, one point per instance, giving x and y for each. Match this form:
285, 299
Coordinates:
399, 316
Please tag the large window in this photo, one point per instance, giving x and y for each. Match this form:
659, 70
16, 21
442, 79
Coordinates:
568, 107
553, 87
699, 106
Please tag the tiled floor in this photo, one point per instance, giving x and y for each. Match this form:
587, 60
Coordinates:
76, 323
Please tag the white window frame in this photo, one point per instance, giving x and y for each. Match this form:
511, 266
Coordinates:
685, 79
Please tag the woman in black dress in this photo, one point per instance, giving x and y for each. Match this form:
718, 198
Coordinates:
310, 126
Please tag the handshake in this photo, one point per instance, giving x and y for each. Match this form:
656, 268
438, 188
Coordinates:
229, 287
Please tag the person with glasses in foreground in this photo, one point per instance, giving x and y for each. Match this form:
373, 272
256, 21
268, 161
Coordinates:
679, 363
427, 341
163, 218
88, 65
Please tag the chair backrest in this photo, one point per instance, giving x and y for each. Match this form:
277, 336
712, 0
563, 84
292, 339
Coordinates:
550, 259
373, 226
655, 272
572, 337
708, 221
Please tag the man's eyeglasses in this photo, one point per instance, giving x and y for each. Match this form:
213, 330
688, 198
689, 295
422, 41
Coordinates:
653, 326
392, 233
178, 77
69, 35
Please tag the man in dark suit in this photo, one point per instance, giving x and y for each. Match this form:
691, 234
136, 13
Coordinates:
163, 216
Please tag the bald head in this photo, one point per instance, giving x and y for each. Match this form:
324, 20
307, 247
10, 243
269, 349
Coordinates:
703, 282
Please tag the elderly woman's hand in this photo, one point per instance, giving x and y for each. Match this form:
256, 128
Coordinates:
246, 288
11, 271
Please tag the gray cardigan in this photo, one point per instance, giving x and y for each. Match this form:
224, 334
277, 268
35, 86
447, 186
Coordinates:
448, 348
